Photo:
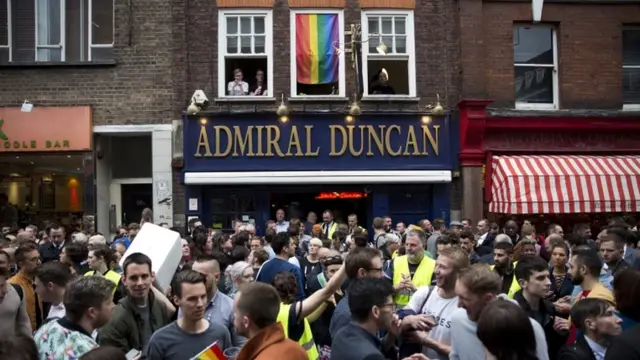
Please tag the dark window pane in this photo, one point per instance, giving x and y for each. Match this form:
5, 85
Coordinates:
102, 22
4, 24
631, 47
534, 85
532, 45
631, 86
105, 53
247, 204
23, 28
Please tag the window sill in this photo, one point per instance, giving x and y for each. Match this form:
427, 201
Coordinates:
245, 99
311, 99
40, 64
527, 106
390, 98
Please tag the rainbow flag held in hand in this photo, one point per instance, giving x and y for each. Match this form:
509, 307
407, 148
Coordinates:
316, 59
213, 352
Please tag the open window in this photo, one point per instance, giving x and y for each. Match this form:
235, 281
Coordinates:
630, 67
388, 53
245, 54
56, 31
317, 69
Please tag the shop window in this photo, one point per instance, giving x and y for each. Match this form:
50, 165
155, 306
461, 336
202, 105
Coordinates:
535, 67
317, 69
631, 67
56, 31
388, 53
245, 63
225, 209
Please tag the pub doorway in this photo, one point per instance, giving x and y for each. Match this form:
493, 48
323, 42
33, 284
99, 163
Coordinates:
341, 203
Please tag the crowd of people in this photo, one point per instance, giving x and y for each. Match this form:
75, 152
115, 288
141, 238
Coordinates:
328, 290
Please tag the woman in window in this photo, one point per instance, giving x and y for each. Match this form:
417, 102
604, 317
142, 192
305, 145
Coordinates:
237, 87
380, 85
260, 89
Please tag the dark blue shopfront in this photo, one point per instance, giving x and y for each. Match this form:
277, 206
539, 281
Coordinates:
245, 167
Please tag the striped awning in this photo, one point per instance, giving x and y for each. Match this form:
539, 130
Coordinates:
565, 184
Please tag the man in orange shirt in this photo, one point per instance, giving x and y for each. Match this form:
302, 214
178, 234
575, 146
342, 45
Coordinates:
28, 261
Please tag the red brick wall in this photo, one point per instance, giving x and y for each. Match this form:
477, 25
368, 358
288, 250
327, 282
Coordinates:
589, 51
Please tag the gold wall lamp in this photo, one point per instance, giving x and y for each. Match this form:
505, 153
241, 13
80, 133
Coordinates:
355, 34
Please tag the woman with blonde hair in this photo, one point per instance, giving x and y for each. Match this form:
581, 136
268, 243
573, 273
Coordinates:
236, 275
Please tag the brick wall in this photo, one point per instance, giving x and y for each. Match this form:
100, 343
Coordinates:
589, 50
137, 90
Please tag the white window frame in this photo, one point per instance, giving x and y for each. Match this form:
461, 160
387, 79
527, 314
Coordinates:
630, 107
222, 51
89, 24
410, 56
61, 45
342, 85
554, 74
9, 34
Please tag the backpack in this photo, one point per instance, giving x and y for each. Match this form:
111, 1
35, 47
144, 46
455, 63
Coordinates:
19, 290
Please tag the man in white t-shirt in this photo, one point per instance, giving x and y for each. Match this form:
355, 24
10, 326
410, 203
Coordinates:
438, 302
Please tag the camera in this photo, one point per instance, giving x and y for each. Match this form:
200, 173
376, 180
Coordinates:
199, 98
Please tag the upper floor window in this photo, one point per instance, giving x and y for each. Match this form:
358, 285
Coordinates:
631, 67
535, 66
388, 53
56, 31
245, 53
316, 68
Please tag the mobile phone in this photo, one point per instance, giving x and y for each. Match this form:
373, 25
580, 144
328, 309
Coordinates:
132, 354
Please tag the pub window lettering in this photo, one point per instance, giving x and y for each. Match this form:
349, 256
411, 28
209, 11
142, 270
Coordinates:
535, 67
631, 67
245, 59
56, 31
390, 72
317, 69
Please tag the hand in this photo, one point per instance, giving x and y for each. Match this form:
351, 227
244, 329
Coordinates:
417, 357
562, 307
560, 324
396, 325
421, 337
418, 322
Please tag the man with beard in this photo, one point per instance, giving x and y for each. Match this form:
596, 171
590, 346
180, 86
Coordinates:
438, 302
476, 287
585, 270
413, 270
504, 267
597, 320
88, 305
139, 314
511, 229
220, 306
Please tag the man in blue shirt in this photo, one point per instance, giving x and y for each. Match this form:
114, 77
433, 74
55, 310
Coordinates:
284, 249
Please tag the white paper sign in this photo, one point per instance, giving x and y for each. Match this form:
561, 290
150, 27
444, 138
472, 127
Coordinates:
193, 204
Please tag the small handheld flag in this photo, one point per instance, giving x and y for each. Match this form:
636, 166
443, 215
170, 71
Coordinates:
212, 352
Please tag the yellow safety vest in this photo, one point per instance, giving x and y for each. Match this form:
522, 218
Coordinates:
422, 276
332, 229
515, 286
110, 275
306, 340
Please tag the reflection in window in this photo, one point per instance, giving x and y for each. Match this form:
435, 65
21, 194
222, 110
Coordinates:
534, 64
631, 65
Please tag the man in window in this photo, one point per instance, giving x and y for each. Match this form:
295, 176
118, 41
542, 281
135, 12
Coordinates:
237, 87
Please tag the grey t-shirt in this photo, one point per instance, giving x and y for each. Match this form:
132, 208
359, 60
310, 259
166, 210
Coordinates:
173, 343
146, 324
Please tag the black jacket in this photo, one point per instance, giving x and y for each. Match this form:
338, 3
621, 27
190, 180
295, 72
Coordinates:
545, 317
50, 252
626, 346
579, 351
566, 289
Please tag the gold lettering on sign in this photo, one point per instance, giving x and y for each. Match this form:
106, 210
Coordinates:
387, 141
217, 130
343, 132
355, 140
244, 143
308, 129
203, 142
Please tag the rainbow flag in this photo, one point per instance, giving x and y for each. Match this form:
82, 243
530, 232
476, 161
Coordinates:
213, 352
316, 35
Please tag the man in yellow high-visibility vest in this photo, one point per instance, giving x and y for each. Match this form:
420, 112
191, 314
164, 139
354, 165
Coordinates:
413, 270
505, 266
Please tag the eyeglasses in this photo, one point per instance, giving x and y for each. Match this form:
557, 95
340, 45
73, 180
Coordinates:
375, 270
392, 306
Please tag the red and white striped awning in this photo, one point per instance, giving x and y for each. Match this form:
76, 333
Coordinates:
565, 184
